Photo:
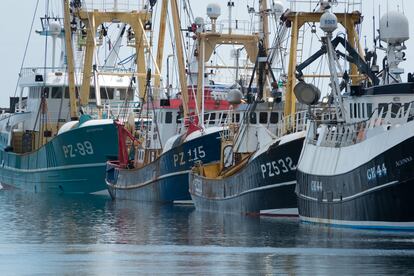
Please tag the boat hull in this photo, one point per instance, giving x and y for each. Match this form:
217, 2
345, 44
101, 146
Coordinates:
375, 194
266, 182
166, 178
72, 162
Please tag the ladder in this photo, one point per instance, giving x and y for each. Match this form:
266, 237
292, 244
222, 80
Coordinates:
299, 49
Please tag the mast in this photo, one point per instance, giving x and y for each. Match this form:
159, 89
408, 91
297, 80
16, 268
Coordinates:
70, 62
91, 19
208, 40
161, 40
264, 18
89, 54
296, 21
180, 56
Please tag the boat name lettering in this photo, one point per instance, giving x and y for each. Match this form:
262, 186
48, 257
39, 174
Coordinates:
403, 161
83, 149
376, 172
316, 186
192, 155
273, 168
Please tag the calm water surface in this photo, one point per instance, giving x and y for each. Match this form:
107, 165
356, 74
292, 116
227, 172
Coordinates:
66, 235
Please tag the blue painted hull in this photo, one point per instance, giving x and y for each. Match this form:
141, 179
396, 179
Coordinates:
72, 162
165, 179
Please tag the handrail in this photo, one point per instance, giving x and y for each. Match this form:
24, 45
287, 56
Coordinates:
338, 134
293, 123
109, 5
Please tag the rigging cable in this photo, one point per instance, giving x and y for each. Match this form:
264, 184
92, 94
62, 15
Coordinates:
25, 51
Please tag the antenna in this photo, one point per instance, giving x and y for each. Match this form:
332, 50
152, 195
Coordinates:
379, 17
387, 13
373, 25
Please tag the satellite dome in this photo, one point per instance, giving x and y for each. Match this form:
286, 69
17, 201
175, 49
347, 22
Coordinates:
394, 27
307, 93
328, 22
213, 11
55, 28
234, 96
278, 8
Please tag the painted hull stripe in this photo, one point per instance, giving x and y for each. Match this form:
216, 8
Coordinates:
10, 179
267, 187
140, 185
361, 224
68, 167
352, 196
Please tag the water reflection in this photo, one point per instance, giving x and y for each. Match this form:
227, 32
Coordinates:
89, 234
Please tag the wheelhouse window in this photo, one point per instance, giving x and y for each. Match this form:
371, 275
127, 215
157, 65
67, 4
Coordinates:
363, 110
384, 108
107, 93
223, 118
274, 117
395, 107
263, 116
211, 117
253, 117
236, 118
168, 117
57, 92
369, 109
355, 111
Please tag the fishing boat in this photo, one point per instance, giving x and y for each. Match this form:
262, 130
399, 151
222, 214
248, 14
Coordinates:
356, 168
60, 131
261, 179
164, 177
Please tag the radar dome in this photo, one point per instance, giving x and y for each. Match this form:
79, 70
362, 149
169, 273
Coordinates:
234, 96
328, 22
213, 11
307, 93
394, 27
278, 8
55, 28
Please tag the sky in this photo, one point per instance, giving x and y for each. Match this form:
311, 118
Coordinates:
15, 25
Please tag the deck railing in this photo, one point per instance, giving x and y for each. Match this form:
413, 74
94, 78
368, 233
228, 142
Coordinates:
293, 123
114, 5
338, 134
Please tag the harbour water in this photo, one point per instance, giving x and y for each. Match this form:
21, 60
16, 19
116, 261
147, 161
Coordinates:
93, 235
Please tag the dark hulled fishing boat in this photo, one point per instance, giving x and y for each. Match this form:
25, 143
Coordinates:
356, 169
260, 180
